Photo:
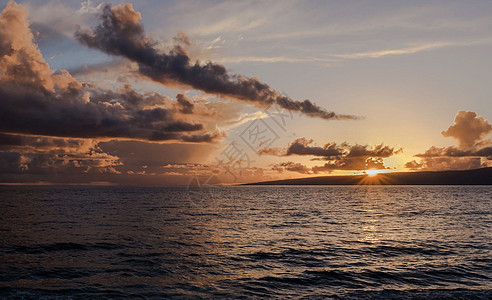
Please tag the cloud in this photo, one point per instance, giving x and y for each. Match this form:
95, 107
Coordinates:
451, 158
59, 17
121, 34
20, 60
445, 163
456, 152
302, 146
292, 167
338, 156
402, 51
34, 99
114, 66
474, 151
28, 155
230, 24
185, 104
468, 129
206, 173
27, 158
43, 144
275, 59
357, 163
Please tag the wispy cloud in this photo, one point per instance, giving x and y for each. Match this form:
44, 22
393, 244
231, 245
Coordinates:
337, 58
244, 118
61, 17
231, 24
401, 51
274, 59
331, 59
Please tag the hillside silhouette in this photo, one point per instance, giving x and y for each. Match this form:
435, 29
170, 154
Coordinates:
481, 176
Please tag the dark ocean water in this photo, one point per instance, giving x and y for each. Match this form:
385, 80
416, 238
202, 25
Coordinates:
400, 242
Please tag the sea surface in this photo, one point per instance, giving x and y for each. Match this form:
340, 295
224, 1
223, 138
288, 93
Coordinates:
349, 242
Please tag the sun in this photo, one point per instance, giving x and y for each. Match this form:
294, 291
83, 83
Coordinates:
372, 172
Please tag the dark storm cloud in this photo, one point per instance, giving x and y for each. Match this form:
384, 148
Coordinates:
36, 100
185, 105
302, 147
34, 112
128, 97
39, 143
120, 33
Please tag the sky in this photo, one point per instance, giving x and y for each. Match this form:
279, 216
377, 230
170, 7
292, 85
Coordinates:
226, 92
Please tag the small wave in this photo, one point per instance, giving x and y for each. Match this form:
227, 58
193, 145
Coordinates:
380, 251
150, 254
55, 247
387, 251
141, 262
419, 294
61, 273
83, 293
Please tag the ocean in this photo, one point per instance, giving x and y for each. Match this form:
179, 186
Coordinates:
348, 242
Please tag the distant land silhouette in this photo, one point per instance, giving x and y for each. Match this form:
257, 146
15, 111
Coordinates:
481, 176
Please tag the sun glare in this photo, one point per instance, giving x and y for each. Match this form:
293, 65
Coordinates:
372, 172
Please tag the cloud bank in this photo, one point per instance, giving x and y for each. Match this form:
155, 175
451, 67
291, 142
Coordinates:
337, 156
34, 99
473, 151
52, 126
21, 154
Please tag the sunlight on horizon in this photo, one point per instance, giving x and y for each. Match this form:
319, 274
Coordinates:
373, 172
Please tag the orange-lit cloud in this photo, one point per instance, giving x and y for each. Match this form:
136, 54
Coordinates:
473, 151
21, 154
37, 100
468, 129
